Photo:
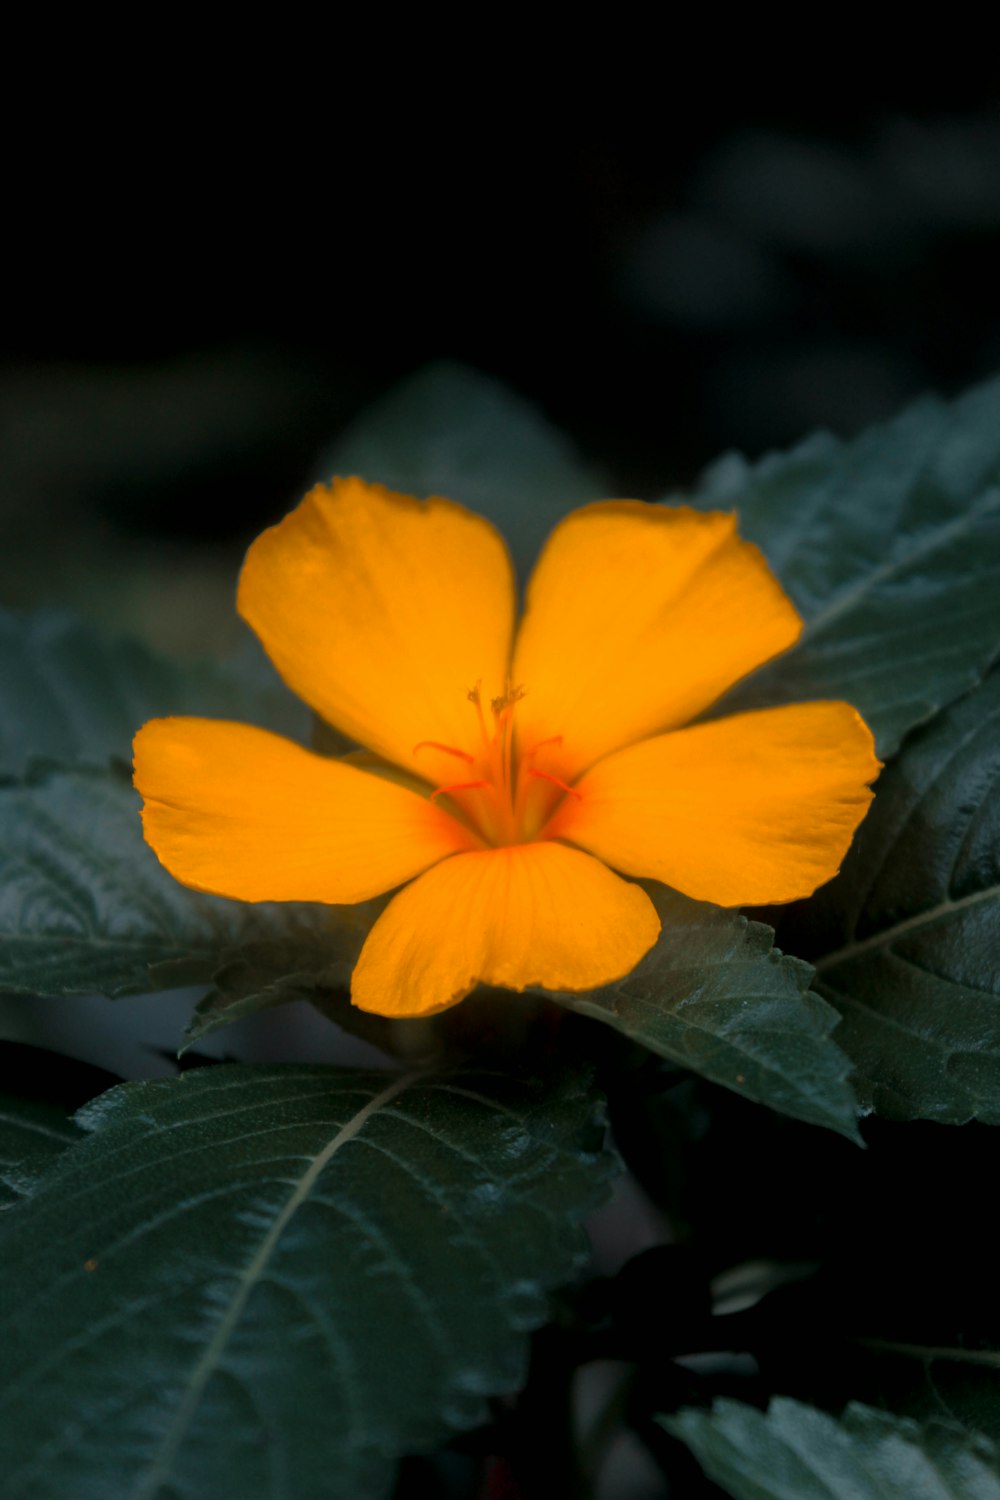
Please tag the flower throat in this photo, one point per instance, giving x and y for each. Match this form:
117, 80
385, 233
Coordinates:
507, 798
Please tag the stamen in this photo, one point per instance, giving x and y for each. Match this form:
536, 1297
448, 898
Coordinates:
475, 700
445, 750
504, 770
553, 739
457, 786
511, 694
546, 776
508, 741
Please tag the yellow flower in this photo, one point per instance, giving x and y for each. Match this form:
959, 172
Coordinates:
509, 773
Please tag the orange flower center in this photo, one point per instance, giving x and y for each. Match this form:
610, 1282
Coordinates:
507, 793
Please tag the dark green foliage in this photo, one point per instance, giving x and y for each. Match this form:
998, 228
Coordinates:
797, 1453
906, 940
262, 1281
31, 1134
299, 954
890, 547
715, 995
86, 906
69, 696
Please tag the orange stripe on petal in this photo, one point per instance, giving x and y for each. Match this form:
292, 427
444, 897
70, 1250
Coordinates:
382, 611
747, 810
637, 618
529, 914
242, 812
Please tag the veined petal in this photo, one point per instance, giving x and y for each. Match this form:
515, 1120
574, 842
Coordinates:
242, 812
523, 915
637, 618
382, 611
748, 810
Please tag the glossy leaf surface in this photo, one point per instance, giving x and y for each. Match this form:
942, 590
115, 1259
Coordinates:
890, 547
270, 1281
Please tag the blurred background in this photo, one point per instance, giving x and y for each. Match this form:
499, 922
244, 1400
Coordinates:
191, 328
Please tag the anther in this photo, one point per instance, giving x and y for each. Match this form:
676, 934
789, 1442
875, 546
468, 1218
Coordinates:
508, 698
553, 739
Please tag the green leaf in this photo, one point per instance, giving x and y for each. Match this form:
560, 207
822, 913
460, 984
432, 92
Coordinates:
31, 1134
452, 431
715, 996
795, 1452
86, 907
954, 1376
906, 940
270, 1281
69, 696
890, 547
312, 963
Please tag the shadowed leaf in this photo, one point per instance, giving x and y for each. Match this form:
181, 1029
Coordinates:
71, 697
890, 547
906, 940
309, 964
86, 907
258, 1281
715, 996
453, 431
31, 1134
794, 1452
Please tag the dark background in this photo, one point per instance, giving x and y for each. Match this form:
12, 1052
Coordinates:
195, 314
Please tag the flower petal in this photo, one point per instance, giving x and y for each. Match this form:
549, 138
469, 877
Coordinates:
242, 812
382, 611
637, 618
523, 915
748, 810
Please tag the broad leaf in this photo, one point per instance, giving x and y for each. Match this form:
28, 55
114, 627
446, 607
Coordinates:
270, 1281
312, 962
85, 906
890, 547
452, 431
906, 940
954, 1377
70, 696
715, 996
31, 1134
794, 1452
